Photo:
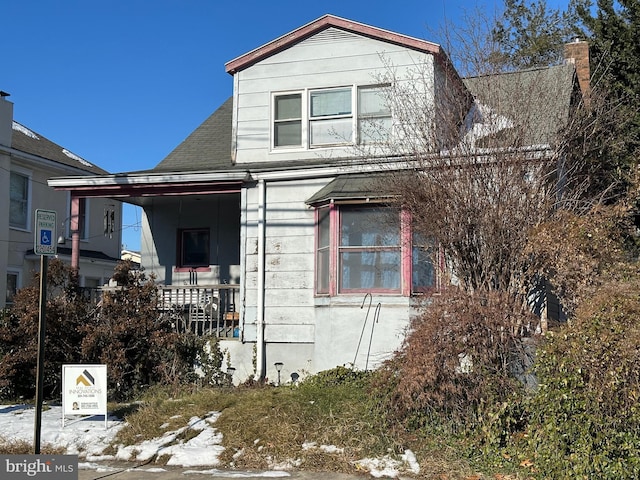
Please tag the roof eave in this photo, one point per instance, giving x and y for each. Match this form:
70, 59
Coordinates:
322, 23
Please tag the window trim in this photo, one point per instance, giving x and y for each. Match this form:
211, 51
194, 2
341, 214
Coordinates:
28, 174
274, 121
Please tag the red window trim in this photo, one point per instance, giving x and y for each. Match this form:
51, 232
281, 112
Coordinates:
406, 248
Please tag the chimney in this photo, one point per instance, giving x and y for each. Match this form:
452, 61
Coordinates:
577, 53
6, 119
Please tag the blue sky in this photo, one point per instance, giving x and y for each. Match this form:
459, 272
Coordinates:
122, 82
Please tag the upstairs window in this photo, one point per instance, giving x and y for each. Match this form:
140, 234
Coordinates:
287, 128
330, 117
374, 115
193, 247
19, 200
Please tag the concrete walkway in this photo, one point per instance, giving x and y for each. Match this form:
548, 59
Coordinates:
149, 472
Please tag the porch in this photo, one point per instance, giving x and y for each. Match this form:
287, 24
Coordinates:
202, 309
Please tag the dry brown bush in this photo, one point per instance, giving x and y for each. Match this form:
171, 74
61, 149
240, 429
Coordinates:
462, 354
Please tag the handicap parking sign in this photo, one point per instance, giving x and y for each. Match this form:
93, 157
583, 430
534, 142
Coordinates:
45, 233
45, 237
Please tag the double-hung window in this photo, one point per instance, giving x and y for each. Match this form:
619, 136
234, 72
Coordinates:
287, 125
13, 283
374, 115
19, 185
330, 117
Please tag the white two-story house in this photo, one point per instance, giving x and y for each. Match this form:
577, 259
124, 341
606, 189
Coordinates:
266, 228
27, 161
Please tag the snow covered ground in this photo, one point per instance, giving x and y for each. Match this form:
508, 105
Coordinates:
88, 438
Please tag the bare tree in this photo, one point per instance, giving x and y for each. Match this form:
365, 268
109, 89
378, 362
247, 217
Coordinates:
488, 159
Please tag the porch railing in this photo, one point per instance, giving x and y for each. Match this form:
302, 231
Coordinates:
202, 309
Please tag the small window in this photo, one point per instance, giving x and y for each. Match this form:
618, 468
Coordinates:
374, 115
193, 247
330, 117
19, 201
13, 279
287, 128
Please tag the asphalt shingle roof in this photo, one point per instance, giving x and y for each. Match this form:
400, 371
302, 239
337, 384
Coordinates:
208, 147
33, 143
538, 100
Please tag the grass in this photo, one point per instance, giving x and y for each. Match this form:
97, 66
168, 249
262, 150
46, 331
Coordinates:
270, 425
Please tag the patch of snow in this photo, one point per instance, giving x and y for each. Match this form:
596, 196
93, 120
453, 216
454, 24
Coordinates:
75, 157
24, 130
412, 462
380, 467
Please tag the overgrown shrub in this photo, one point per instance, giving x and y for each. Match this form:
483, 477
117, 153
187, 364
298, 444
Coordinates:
463, 366
585, 416
66, 310
139, 346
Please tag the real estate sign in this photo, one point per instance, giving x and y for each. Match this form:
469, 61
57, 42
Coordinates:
84, 390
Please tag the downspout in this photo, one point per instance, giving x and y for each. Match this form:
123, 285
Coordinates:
260, 343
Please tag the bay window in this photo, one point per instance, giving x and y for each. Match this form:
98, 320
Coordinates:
370, 248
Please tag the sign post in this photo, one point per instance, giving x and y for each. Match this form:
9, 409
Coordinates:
44, 245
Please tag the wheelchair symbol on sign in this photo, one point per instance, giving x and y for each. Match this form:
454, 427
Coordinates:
45, 237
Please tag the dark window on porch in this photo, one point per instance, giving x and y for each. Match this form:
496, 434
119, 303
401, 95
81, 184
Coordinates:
193, 247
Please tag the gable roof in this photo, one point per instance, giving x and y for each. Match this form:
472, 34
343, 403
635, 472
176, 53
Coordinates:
322, 23
537, 100
32, 143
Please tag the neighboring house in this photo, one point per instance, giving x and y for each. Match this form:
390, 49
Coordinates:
131, 256
27, 161
265, 229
